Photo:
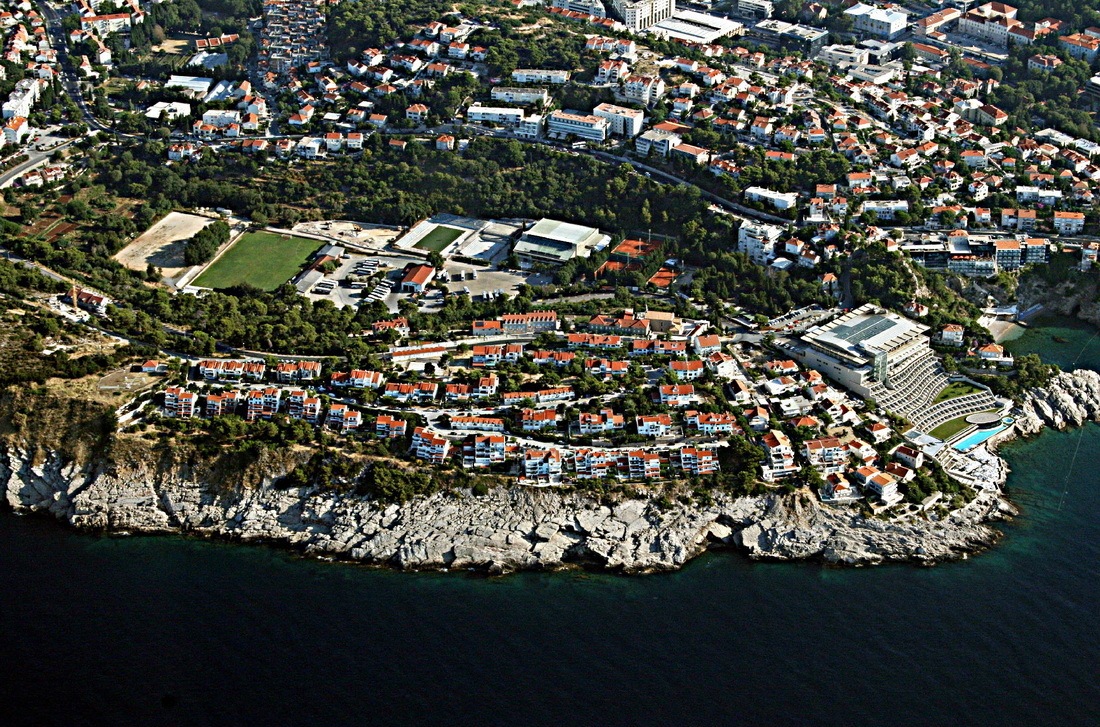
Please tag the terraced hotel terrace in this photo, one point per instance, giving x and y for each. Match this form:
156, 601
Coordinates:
886, 357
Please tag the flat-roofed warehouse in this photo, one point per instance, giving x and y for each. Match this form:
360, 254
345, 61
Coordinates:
865, 346
551, 242
695, 27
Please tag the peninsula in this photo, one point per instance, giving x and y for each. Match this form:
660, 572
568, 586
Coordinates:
502, 286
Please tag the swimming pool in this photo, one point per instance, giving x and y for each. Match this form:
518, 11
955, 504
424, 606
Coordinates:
976, 438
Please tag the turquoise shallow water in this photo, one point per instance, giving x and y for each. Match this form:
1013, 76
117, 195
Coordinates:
1068, 342
174, 631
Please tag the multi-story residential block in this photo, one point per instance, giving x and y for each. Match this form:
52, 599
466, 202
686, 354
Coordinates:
520, 96
539, 321
534, 420
885, 209
778, 200
643, 89
1069, 223
482, 450
594, 463
419, 393
642, 465
389, 427
711, 424
542, 465
657, 141
653, 425
827, 454
623, 121
506, 116
587, 127
780, 456
481, 424
757, 240
687, 370
430, 446
880, 22
676, 395
537, 75
358, 379
696, 462
488, 356
642, 14
179, 403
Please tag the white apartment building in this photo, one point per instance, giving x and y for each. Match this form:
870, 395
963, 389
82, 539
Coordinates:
479, 114
837, 54
641, 14
221, 118
539, 75
520, 96
757, 240
590, 128
879, 22
760, 9
1069, 223
657, 141
22, 99
778, 200
530, 127
885, 209
588, 7
643, 89
624, 121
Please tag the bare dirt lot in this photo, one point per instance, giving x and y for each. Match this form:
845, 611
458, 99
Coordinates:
162, 244
353, 233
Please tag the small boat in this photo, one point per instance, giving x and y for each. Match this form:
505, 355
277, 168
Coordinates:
1059, 339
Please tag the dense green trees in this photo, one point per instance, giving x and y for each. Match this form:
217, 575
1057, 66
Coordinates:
202, 246
358, 25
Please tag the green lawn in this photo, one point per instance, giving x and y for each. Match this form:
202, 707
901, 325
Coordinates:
263, 260
949, 429
438, 239
956, 389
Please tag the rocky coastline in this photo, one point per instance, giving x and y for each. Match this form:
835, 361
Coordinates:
1069, 400
514, 528
506, 530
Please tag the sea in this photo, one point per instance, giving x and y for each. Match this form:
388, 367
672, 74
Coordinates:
174, 631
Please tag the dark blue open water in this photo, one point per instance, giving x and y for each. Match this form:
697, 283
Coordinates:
173, 631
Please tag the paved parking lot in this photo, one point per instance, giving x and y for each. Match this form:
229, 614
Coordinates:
338, 283
488, 281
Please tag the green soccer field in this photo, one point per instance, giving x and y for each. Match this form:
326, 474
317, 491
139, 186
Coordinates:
438, 239
263, 260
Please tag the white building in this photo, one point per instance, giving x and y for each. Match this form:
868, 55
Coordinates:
588, 7
479, 114
520, 96
550, 242
865, 346
640, 14
530, 127
885, 209
657, 141
778, 200
759, 9
878, 21
590, 128
691, 26
757, 240
1069, 223
643, 89
623, 121
539, 75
